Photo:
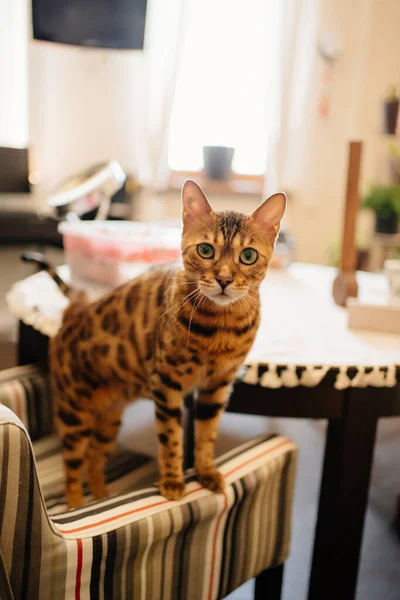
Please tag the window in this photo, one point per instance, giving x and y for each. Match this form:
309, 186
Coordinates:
13, 74
221, 95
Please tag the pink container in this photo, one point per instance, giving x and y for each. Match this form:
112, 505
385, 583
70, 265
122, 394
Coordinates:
111, 252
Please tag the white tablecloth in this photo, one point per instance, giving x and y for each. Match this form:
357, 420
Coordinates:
300, 327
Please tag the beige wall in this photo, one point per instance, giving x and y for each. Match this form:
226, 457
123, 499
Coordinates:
167, 205
383, 70
82, 109
369, 64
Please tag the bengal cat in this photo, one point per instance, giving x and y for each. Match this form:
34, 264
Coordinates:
171, 330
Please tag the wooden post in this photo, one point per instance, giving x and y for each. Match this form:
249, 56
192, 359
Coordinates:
345, 284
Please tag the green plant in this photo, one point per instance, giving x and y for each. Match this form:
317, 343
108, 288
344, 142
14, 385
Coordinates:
384, 201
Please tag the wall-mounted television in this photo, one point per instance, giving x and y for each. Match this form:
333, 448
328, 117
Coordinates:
95, 23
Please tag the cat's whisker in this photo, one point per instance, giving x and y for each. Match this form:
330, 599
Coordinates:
252, 298
242, 303
176, 312
255, 297
254, 302
186, 280
194, 308
183, 303
176, 303
249, 312
254, 306
179, 285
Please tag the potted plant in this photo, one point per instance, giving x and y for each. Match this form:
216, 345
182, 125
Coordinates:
391, 111
385, 202
218, 161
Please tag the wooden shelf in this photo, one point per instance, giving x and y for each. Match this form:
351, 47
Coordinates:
237, 184
388, 240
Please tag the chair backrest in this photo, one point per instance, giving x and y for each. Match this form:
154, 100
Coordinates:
27, 535
26, 391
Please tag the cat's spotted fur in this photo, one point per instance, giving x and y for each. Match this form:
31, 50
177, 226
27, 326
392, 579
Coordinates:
167, 332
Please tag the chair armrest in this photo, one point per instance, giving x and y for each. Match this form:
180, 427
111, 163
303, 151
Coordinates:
5, 586
26, 391
22, 508
206, 544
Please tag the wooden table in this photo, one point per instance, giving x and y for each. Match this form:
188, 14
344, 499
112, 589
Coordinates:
305, 363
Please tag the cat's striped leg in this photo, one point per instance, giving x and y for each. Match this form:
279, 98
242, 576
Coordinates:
170, 442
101, 445
209, 408
74, 429
102, 441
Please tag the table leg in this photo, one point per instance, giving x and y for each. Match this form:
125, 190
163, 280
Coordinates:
343, 500
188, 459
268, 584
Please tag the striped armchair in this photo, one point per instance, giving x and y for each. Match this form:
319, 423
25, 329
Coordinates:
136, 544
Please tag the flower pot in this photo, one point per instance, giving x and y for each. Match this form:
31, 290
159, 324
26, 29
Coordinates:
218, 161
390, 114
386, 224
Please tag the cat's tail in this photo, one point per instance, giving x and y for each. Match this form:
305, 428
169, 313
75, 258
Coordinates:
39, 260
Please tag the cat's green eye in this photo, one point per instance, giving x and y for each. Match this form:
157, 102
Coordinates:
248, 256
205, 250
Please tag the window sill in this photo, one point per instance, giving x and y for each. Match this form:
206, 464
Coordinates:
237, 184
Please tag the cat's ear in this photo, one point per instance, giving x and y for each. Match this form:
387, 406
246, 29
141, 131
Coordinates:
194, 203
270, 213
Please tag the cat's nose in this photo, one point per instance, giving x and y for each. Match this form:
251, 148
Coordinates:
223, 281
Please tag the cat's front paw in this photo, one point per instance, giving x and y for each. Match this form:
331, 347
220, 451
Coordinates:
74, 500
100, 494
212, 480
172, 489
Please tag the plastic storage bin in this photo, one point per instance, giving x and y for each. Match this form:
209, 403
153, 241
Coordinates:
111, 252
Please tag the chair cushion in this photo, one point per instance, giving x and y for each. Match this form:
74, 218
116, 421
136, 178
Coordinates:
204, 546
126, 471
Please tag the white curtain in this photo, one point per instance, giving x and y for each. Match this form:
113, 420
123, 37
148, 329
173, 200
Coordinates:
155, 77
13, 73
89, 105
297, 22
291, 39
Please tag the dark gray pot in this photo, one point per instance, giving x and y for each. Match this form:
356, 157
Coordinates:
390, 114
386, 224
218, 161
